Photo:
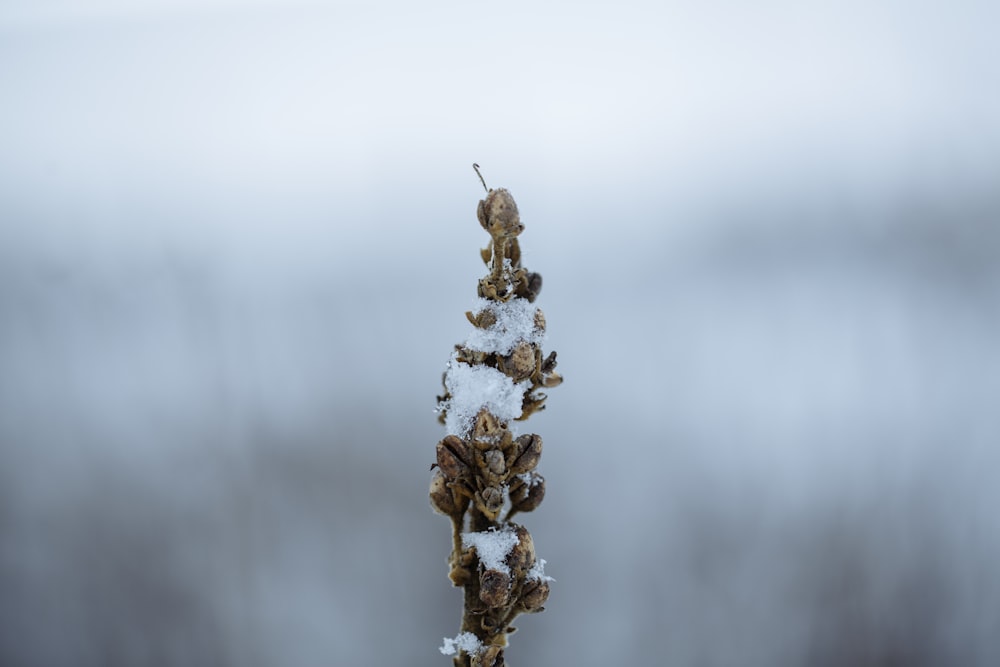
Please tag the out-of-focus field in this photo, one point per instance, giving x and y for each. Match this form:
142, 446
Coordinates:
236, 246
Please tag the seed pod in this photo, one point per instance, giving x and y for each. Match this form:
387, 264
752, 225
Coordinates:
534, 401
453, 457
539, 319
527, 492
483, 320
494, 461
549, 364
520, 363
525, 453
517, 491
522, 555
534, 594
494, 588
550, 380
533, 287
498, 214
489, 501
486, 429
488, 290
442, 499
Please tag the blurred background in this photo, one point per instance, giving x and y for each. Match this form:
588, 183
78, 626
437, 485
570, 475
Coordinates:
237, 240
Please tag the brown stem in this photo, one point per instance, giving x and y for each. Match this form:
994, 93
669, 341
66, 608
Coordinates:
456, 538
499, 253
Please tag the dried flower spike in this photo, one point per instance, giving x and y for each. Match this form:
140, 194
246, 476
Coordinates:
493, 379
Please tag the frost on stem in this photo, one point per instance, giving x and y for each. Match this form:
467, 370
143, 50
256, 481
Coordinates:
492, 379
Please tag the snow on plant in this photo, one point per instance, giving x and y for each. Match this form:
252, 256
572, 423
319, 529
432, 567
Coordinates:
482, 471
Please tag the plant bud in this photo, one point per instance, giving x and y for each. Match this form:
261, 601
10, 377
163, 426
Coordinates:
525, 453
494, 588
442, 499
534, 594
527, 492
453, 457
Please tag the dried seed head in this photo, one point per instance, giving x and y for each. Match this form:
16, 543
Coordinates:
527, 492
453, 457
494, 588
534, 594
487, 466
520, 363
498, 214
525, 453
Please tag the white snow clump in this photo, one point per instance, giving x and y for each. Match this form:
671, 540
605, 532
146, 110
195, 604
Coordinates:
473, 388
537, 572
466, 641
492, 546
515, 323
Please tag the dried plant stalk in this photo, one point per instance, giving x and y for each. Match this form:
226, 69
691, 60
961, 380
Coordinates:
483, 472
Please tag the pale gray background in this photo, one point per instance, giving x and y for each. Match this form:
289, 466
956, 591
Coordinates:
237, 241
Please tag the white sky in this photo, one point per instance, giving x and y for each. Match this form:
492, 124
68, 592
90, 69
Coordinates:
225, 109
303, 86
